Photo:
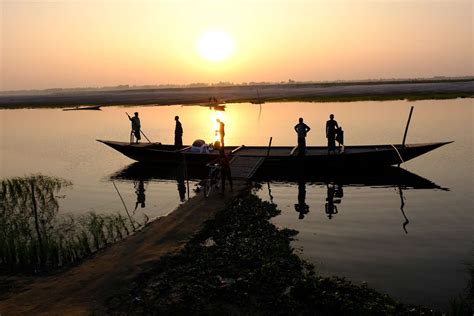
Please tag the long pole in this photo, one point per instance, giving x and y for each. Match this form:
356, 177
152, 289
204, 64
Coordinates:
145, 135
186, 172
126, 210
406, 128
269, 146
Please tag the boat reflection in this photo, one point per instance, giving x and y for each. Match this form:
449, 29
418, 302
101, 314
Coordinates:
392, 177
140, 174
379, 177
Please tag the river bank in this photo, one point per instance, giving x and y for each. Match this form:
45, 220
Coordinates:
240, 263
83, 288
307, 92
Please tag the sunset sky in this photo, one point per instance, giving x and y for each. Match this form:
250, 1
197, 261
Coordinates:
90, 43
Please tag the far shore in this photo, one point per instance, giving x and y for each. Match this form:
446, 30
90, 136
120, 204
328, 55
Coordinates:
303, 92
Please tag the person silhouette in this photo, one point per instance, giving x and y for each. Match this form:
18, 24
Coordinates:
331, 128
135, 127
221, 132
178, 133
301, 129
302, 207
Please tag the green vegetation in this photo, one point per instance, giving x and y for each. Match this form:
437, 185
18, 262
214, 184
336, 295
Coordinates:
240, 263
34, 237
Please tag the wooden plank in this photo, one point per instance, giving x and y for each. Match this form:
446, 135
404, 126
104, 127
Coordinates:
245, 167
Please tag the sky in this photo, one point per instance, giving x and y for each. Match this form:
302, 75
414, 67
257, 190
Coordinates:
93, 43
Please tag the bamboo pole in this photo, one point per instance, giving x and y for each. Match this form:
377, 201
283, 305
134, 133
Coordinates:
406, 128
123, 202
269, 146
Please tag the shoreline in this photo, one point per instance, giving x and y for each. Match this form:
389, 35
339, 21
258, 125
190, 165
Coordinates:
84, 287
340, 92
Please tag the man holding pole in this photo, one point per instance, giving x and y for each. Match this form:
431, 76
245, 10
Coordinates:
135, 127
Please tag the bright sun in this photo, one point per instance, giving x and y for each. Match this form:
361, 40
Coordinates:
215, 46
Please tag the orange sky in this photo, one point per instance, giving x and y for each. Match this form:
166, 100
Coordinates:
73, 43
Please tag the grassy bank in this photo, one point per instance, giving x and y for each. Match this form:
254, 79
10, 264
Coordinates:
305, 92
34, 237
240, 263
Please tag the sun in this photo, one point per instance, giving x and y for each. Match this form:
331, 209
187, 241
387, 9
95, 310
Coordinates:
215, 45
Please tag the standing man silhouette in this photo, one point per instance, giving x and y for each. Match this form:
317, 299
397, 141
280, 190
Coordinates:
135, 127
178, 133
331, 127
221, 132
302, 129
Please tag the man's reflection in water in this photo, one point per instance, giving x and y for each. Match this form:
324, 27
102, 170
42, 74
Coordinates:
180, 179
333, 191
302, 207
140, 192
181, 190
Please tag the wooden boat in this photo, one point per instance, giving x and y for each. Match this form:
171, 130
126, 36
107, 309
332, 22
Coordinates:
90, 107
366, 156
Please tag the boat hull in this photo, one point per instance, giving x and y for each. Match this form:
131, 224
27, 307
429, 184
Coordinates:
365, 157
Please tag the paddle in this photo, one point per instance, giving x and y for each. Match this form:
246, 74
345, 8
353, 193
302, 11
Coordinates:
140, 129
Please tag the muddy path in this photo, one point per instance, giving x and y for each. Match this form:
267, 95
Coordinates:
83, 288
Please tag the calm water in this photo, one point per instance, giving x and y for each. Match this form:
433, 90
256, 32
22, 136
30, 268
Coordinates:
365, 240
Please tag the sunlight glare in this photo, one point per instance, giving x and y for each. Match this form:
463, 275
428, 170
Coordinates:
215, 45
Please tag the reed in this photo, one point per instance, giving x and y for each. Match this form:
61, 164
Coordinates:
35, 237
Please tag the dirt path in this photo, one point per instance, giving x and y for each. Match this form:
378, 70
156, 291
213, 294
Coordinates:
84, 288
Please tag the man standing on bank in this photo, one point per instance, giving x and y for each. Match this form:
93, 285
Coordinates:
178, 133
331, 128
301, 129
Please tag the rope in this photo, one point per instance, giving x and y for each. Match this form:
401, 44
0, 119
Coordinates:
400, 156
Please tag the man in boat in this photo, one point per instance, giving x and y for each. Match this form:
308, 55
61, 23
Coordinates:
331, 128
178, 133
221, 132
302, 129
135, 127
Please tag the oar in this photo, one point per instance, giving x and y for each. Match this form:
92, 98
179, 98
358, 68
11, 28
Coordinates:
140, 129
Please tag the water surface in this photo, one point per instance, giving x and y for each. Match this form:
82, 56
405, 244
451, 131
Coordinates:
421, 261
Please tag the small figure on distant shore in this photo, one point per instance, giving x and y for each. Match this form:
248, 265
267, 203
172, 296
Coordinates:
302, 129
135, 127
178, 133
221, 132
331, 128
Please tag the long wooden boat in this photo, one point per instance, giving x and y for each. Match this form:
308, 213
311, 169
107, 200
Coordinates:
365, 156
89, 107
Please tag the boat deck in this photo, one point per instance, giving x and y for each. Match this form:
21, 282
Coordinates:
293, 151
